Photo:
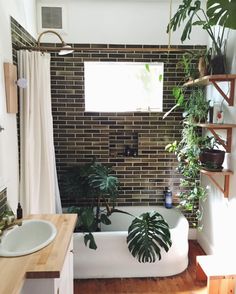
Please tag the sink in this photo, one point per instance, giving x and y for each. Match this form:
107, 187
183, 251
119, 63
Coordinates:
31, 236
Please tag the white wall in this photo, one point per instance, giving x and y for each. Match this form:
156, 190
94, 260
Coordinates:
219, 213
121, 22
24, 12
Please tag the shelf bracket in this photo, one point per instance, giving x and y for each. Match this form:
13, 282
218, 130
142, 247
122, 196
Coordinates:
230, 98
225, 189
226, 144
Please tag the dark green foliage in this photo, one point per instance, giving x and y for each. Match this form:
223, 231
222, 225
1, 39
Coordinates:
147, 235
222, 12
187, 152
89, 239
102, 180
98, 182
196, 106
188, 64
190, 13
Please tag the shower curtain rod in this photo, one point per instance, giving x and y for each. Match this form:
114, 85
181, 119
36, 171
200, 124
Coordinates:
127, 49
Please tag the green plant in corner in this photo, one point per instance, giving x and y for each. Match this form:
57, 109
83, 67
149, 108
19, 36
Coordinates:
98, 184
196, 106
187, 152
188, 64
222, 12
190, 13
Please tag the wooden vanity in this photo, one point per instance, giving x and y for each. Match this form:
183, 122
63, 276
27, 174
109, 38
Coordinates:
49, 270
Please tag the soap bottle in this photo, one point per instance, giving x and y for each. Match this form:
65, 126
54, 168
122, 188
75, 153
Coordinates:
19, 211
168, 197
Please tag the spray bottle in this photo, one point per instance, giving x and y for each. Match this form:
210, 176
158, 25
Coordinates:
168, 197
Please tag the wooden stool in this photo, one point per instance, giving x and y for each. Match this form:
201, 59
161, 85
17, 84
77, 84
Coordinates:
219, 272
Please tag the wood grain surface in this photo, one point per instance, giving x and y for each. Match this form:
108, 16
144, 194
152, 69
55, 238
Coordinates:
184, 283
45, 263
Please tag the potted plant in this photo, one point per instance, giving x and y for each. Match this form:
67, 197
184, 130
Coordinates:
210, 156
222, 12
191, 13
97, 184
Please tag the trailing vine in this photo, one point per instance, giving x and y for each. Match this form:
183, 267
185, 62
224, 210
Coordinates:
187, 151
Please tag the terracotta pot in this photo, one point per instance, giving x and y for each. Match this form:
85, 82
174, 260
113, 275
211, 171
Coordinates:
212, 158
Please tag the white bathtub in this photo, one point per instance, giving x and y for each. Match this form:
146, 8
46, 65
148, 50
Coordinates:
112, 258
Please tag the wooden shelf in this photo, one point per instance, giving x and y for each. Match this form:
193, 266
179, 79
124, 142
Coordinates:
216, 126
214, 80
228, 127
219, 272
229, 97
226, 173
223, 172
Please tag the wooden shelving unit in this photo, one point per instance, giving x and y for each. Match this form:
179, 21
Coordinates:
227, 145
214, 80
226, 173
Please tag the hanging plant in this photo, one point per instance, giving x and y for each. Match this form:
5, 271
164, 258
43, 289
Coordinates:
190, 13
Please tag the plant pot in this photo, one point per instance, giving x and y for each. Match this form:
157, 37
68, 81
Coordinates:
218, 65
202, 66
212, 159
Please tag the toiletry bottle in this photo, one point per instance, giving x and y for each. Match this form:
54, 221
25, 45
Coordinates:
127, 150
168, 197
19, 212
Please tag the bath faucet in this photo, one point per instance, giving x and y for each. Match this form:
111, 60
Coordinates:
7, 223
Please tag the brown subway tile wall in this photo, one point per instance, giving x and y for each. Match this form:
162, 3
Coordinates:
79, 136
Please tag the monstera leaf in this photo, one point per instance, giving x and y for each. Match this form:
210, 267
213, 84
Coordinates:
102, 180
222, 12
187, 13
147, 234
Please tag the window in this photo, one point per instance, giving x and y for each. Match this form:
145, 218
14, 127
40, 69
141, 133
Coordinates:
123, 86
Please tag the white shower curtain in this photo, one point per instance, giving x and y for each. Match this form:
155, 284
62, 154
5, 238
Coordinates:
39, 191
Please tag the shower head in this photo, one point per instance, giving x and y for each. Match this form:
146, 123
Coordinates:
66, 49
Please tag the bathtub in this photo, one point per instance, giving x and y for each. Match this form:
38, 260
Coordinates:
112, 258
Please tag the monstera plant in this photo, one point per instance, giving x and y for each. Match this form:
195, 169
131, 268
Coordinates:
192, 13
222, 12
97, 186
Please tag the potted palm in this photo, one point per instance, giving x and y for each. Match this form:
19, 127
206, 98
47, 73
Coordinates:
97, 184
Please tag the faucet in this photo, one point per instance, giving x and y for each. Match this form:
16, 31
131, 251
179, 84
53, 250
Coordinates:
8, 222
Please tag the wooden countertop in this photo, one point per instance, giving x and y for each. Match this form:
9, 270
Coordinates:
45, 263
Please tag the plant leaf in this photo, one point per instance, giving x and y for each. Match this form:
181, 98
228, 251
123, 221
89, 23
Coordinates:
146, 235
88, 238
222, 12
105, 219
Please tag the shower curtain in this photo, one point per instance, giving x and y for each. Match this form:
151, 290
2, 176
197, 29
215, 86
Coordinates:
39, 191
